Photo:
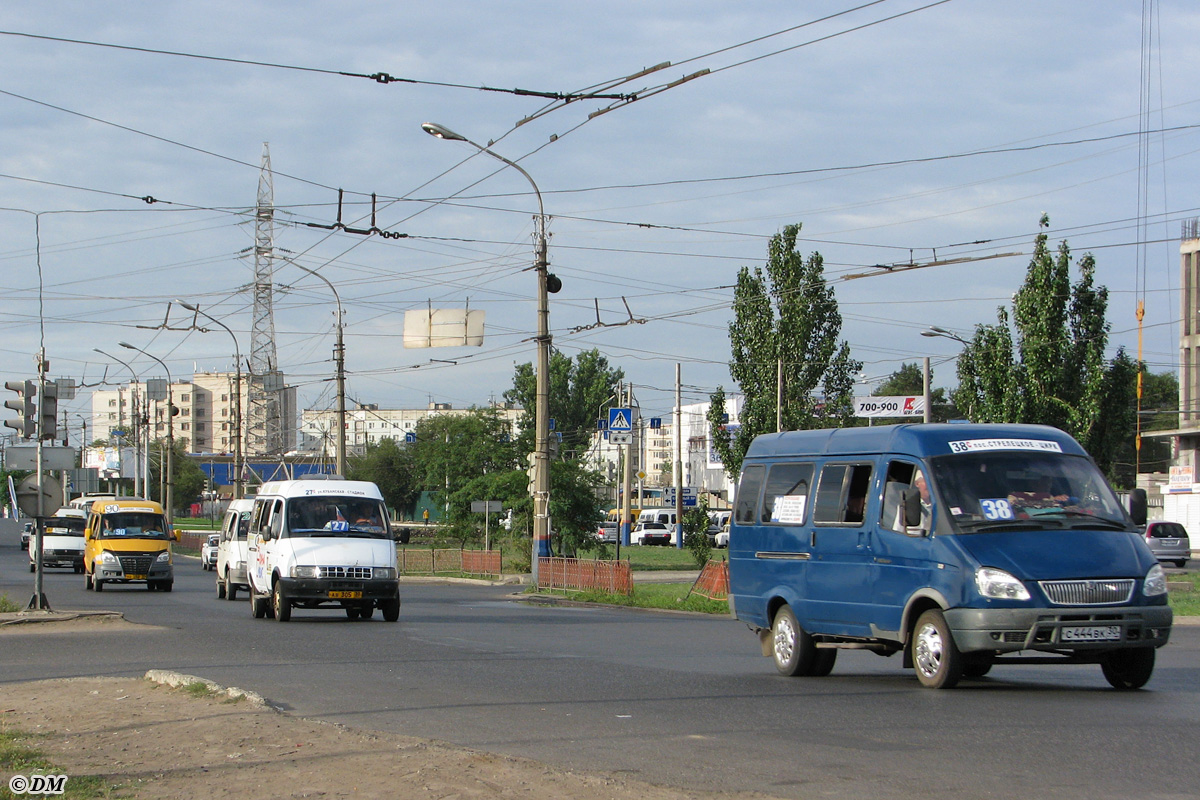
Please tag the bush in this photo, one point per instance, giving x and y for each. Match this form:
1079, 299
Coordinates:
695, 533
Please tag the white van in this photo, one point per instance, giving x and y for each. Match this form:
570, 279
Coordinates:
231, 552
321, 541
646, 530
62, 541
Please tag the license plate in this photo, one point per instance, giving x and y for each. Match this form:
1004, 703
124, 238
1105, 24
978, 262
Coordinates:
1092, 633
345, 595
135, 577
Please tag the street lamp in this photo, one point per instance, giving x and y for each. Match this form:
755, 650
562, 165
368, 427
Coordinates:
546, 283
136, 380
934, 330
170, 465
237, 399
339, 360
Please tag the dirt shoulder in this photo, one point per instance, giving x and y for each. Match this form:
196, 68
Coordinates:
155, 741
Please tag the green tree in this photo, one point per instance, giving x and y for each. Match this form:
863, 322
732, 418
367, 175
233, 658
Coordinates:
389, 466
785, 317
579, 389
188, 479
695, 533
1054, 371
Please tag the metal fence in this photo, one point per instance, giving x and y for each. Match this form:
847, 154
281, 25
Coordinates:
573, 574
432, 561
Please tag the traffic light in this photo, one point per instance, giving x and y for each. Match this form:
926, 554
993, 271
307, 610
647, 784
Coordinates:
26, 407
533, 472
48, 427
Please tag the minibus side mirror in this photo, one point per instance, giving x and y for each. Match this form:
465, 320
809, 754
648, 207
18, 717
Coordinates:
912, 508
1137, 506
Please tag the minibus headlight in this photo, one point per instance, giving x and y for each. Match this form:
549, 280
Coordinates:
164, 556
1155, 582
303, 571
109, 559
998, 584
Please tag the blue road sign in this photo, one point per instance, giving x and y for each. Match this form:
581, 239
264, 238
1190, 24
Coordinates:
620, 420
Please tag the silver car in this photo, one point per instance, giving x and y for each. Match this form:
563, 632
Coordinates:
1169, 542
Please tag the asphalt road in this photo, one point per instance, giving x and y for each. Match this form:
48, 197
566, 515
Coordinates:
676, 699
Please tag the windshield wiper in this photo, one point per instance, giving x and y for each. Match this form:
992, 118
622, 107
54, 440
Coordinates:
989, 526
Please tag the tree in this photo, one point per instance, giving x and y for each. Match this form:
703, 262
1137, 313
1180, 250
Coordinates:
1054, 372
579, 389
188, 479
390, 467
787, 318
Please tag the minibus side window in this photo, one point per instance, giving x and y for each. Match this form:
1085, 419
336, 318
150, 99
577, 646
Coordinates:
747, 495
785, 498
842, 494
899, 479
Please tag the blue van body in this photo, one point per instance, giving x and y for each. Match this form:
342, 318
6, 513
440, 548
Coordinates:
1014, 548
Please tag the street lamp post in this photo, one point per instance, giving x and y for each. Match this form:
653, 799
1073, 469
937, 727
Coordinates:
169, 468
339, 360
935, 331
237, 399
541, 464
137, 485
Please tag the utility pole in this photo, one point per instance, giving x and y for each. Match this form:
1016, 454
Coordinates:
678, 455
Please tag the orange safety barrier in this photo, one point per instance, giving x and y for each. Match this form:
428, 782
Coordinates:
573, 574
713, 581
427, 561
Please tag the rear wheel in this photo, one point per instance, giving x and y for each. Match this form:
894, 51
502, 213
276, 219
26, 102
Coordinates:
258, 605
367, 610
1129, 669
977, 667
352, 612
936, 659
230, 588
87, 580
32, 567
166, 586
99, 584
220, 589
793, 650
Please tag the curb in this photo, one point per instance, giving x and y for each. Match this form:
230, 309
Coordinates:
177, 679
34, 617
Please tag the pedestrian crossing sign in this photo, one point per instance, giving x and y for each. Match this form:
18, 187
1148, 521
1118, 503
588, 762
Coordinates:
620, 420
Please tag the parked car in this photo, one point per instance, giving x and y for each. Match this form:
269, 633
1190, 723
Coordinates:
722, 537
208, 551
1169, 542
608, 532
26, 533
650, 533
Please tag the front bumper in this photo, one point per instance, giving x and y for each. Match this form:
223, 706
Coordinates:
314, 591
1009, 630
134, 569
70, 558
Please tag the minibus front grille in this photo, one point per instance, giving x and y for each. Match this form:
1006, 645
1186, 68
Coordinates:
1088, 593
354, 573
136, 565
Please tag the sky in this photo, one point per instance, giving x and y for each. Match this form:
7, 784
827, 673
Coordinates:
897, 133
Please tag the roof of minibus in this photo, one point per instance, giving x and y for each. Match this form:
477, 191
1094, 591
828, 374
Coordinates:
303, 487
918, 440
106, 505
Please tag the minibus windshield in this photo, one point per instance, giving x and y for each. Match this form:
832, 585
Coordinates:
992, 490
132, 524
336, 516
65, 526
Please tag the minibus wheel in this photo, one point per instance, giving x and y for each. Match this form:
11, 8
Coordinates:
936, 659
792, 650
1129, 669
280, 604
390, 609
